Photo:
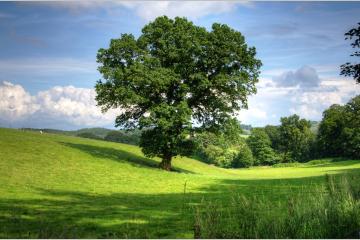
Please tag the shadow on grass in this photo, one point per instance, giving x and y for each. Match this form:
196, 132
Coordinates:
74, 214
119, 155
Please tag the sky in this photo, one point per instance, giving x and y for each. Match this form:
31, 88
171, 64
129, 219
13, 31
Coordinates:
48, 50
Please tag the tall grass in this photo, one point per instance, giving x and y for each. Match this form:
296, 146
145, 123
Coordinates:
332, 211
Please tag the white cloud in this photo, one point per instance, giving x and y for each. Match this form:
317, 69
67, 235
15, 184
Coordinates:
64, 106
252, 114
311, 104
308, 99
148, 10
15, 102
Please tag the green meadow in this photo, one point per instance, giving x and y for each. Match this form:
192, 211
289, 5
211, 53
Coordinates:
56, 186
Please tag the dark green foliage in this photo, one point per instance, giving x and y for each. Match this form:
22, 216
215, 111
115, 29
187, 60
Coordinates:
244, 158
218, 155
330, 136
88, 135
331, 212
296, 138
220, 148
260, 145
348, 69
128, 137
351, 130
339, 130
274, 135
174, 73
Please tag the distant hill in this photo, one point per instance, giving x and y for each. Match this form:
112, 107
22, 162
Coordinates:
122, 136
99, 132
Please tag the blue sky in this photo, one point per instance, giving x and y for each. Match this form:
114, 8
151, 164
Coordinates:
48, 55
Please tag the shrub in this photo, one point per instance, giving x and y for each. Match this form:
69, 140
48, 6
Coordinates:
212, 152
227, 158
244, 158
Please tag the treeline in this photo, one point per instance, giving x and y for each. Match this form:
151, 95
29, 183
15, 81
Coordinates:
295, 140
121, 136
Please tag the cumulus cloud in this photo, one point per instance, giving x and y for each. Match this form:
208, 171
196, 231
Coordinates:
307, 96
59, 106
305, 77
311, 104
15, 102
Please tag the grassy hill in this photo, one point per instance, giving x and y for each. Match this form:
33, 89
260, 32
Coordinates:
57, 186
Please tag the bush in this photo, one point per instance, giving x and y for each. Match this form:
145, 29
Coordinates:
227, 158
244, 158
240, 156
211, 153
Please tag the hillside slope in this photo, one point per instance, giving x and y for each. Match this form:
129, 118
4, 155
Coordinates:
62, 186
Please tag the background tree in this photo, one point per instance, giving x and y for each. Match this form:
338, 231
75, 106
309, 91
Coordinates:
274, 135
244, 158
260, 145
221, 148
348, 69
296, 138
339, 131
175, 74
330, 134
352, 128
128, 137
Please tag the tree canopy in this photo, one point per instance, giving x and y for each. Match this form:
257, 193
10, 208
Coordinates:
296, 138
349, 69
339, 130
260, 145
173, 75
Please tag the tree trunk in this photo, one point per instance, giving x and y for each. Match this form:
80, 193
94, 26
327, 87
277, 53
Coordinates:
166, 163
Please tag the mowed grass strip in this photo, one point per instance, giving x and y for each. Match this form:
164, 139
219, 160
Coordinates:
59, 186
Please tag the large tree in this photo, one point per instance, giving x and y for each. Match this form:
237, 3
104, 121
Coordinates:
296, 138
353, 69
339, 131
330, 135
173, 75
260, 145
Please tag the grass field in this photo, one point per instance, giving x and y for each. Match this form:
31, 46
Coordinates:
59, 186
